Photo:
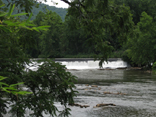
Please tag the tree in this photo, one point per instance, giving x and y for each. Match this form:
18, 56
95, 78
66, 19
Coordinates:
138, 6
73, 41
50, 81
101, 20
50, 40
142, 43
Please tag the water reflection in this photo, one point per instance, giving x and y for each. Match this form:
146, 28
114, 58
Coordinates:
98, 76
138, 76
112, 76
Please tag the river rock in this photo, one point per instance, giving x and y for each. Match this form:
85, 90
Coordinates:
79, 105
94, 86
101, 105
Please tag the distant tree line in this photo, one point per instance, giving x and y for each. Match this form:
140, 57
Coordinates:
37, 8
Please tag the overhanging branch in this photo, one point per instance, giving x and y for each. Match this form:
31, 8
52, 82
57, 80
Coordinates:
66, 1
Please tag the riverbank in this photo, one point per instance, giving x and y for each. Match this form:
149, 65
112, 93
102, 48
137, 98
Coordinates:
74, 59
83, 59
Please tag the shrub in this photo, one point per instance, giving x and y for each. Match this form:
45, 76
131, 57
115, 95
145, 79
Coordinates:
154, 66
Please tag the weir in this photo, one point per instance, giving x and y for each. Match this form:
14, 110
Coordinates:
85, 63
89, 63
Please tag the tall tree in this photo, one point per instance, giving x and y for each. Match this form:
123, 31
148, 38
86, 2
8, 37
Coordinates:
74, 41
101, 20
50, 39
138, 6
142, 43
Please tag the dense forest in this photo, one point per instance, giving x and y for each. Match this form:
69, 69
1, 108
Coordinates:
65, 40
91, 28
68, 38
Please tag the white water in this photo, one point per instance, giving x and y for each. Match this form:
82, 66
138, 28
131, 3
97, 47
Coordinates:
94, 64
85, 64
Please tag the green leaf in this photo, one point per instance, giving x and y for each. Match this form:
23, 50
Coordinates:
10, 88
11, 10
16, 84
1, 83
29, 18
5, 29
3, 14
20, 14
41, 28
23, 92
2, 5
9, 23
2, 78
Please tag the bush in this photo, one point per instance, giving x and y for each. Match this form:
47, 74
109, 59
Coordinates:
154, 66
117, 54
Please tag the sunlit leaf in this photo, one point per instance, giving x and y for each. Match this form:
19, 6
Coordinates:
20, 14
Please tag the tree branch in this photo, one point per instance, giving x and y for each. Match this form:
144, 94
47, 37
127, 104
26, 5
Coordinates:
66, 1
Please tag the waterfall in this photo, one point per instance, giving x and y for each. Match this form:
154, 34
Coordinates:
94, 64
85, 64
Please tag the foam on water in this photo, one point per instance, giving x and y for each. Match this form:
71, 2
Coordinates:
94, 64
84, 64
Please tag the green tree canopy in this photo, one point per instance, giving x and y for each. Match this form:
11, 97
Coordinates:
101, 20
50, 39
142, 43
138, 6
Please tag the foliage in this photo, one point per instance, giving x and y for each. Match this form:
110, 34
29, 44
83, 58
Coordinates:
50, 83
86, 30
144, 31
154, 66
8, 89
73, 42
142, 43
117, 54
49, 40
80, 55
42, 7
24, 5
138, 6
100, 27
101, 20
11, 89
35, 8
13, 59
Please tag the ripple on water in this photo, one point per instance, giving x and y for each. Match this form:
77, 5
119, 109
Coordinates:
120, 111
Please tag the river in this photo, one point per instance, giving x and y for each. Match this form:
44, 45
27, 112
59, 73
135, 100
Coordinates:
132, 91
128, 92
